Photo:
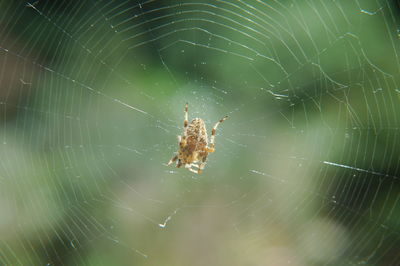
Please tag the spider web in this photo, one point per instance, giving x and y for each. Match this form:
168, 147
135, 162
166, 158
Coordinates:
306, 168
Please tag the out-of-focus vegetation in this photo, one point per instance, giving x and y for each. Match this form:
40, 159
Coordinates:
305, 170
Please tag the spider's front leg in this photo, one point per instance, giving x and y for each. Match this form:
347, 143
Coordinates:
208, 149
182, 142
213, 133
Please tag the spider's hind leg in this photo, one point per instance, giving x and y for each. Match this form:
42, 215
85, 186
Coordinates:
173, 159
199, 167
195, 165
202, 164
189, 167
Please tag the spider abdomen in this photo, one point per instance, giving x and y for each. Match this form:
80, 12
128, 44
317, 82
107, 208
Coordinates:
197, 135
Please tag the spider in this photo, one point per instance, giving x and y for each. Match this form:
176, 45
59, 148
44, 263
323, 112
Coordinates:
193, 144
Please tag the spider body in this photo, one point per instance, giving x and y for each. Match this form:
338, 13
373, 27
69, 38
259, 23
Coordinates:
193, 144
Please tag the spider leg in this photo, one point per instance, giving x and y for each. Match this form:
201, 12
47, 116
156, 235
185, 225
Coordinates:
173, 159
189, 167
185, 126
202, 164
213, 132
199, 168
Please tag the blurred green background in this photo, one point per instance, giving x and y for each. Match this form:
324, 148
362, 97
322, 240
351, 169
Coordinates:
306, 169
